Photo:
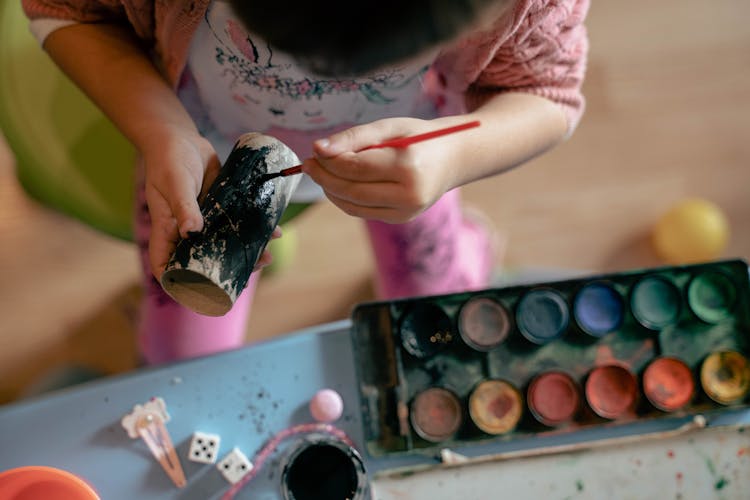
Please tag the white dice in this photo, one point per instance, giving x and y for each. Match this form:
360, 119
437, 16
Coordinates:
234, 466
204, 447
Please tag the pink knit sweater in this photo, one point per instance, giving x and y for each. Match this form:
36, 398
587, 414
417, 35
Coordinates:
539, 46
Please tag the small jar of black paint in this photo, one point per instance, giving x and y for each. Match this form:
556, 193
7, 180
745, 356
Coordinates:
323, 466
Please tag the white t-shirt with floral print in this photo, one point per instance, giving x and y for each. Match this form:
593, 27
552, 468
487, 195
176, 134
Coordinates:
236, 83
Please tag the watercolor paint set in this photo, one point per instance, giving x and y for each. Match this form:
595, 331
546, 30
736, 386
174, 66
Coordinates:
515, 362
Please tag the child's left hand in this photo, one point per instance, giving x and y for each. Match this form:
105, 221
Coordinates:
389, 184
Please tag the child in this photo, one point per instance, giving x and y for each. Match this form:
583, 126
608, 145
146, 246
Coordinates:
183, 80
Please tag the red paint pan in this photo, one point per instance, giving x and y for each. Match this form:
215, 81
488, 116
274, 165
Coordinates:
668, 383
611, 391
554, 398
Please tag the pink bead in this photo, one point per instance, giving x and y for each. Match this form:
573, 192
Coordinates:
326, 405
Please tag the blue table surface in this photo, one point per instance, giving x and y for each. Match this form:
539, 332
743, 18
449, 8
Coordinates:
246, 396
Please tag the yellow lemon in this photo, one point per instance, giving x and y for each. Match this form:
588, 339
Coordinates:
694, 230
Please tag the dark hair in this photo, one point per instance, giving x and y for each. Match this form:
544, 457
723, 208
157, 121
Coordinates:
344, 37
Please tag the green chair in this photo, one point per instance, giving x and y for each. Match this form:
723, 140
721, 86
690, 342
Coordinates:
68, 155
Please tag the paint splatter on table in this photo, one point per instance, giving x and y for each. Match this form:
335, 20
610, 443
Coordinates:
709, 464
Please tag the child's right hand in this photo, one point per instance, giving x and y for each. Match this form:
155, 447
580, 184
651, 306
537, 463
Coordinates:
180, 166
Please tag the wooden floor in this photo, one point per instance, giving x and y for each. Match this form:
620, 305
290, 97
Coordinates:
668, 117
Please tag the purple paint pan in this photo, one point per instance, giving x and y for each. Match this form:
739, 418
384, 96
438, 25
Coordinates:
598, 309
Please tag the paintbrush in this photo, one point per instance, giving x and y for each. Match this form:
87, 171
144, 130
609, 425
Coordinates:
451, 459
399, 142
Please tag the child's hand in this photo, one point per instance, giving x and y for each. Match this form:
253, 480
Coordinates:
179, 169
389, 184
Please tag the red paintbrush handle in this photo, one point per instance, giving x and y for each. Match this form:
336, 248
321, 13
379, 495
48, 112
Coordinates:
402, 142
297, 169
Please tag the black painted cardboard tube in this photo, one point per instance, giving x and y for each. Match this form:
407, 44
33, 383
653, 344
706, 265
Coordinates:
210, 269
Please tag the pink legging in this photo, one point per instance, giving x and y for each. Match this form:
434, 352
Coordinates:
438, 252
